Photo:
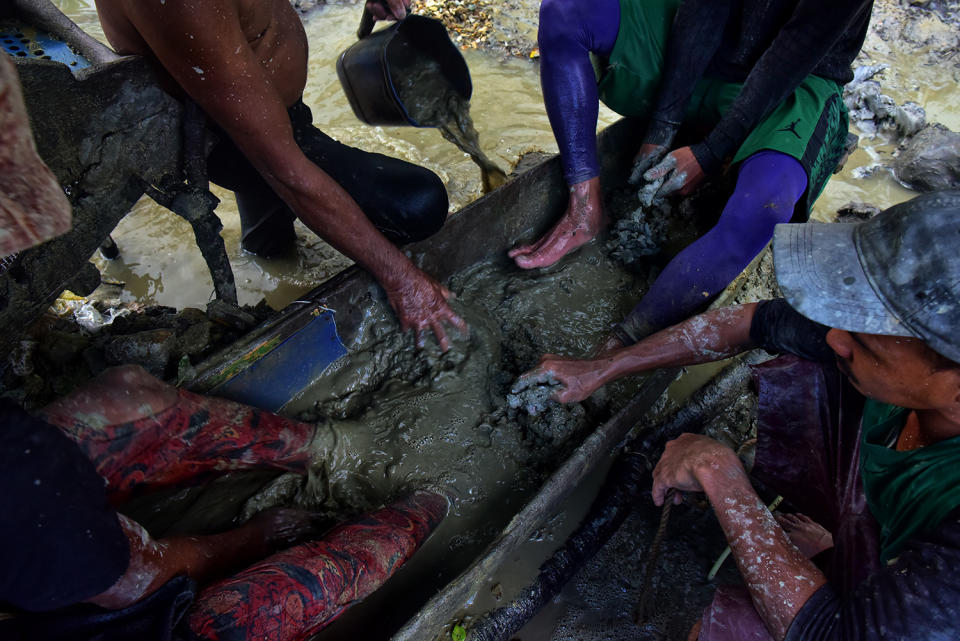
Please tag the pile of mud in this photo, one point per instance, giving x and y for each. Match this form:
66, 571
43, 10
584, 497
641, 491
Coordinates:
61, 352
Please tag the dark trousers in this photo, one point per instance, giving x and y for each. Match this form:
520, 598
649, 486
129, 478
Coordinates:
404, 201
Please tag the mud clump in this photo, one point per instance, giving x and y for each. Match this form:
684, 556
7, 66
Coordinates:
930, 160
534, 397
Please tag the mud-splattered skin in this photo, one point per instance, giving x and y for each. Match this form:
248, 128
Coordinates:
708, 337
244, 62
33, 208
153, 562
779, 577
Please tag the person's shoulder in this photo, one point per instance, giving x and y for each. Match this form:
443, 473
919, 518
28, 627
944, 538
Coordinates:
778, 328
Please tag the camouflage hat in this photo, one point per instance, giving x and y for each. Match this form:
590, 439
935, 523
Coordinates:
896, 274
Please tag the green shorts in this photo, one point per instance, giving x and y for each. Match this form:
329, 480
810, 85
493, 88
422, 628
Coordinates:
810, 124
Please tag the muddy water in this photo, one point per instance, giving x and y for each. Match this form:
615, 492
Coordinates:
159, 261
431, 100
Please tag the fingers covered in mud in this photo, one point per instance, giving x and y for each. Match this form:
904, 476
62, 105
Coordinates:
564, 380
423, 306
648, 156
534, 393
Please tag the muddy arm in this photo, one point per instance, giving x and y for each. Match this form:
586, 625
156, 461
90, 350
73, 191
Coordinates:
43, 14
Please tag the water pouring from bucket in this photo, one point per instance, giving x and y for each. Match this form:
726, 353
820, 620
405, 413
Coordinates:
411, 73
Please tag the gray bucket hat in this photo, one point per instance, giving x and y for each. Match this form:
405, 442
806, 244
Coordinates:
896, 274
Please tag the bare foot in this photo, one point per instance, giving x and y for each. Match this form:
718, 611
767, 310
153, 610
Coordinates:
282, 527
808, 535
582, 221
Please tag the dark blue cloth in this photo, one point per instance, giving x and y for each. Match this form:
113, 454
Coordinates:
780, 329
60, 541
569, 31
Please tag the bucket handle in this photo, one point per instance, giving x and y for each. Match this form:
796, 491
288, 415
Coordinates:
367, 21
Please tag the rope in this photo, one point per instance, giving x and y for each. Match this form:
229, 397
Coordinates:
651, 563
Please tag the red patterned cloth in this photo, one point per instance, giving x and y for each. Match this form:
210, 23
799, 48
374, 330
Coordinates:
295, 593
185, 442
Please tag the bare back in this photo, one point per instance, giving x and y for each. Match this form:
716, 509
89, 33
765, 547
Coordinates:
271, 28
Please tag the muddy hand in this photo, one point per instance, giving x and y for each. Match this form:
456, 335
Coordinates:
648, 156
388, 9
572, 374
810, 537
682, 461
421, 304
679, 172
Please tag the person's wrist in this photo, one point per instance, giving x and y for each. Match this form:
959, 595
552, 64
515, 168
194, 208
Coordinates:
719, 470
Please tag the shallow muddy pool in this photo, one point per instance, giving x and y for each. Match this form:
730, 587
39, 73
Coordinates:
161, 264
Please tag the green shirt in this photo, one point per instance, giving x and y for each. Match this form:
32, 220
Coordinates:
908, 492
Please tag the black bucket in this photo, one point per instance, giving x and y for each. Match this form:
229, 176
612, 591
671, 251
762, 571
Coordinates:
366, 68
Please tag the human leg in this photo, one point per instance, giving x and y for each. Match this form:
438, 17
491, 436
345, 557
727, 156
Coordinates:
768, 187
570, 30
404, 201
142, 433
266, 223
633, 35
295, 593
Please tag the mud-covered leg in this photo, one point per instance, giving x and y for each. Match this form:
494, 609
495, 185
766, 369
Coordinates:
297, 592
141, 433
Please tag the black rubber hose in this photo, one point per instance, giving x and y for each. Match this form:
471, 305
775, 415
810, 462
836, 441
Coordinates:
629, 476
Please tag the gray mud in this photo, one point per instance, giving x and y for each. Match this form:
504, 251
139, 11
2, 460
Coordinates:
431, 100
535, 397
394, 418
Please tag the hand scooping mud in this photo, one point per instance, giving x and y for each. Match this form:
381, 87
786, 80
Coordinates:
565, 380
421, 305
677, 172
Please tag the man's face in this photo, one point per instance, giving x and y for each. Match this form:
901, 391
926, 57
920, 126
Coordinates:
894, 369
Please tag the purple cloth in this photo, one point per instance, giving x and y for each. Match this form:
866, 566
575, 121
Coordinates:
569, 31
808, 450
768, 187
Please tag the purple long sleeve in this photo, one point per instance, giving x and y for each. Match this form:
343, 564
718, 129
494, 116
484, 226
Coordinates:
569, 31
768, 187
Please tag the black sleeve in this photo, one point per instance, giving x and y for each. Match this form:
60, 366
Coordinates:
779, 328
916, 597
809, 35
695, 35
60, 541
